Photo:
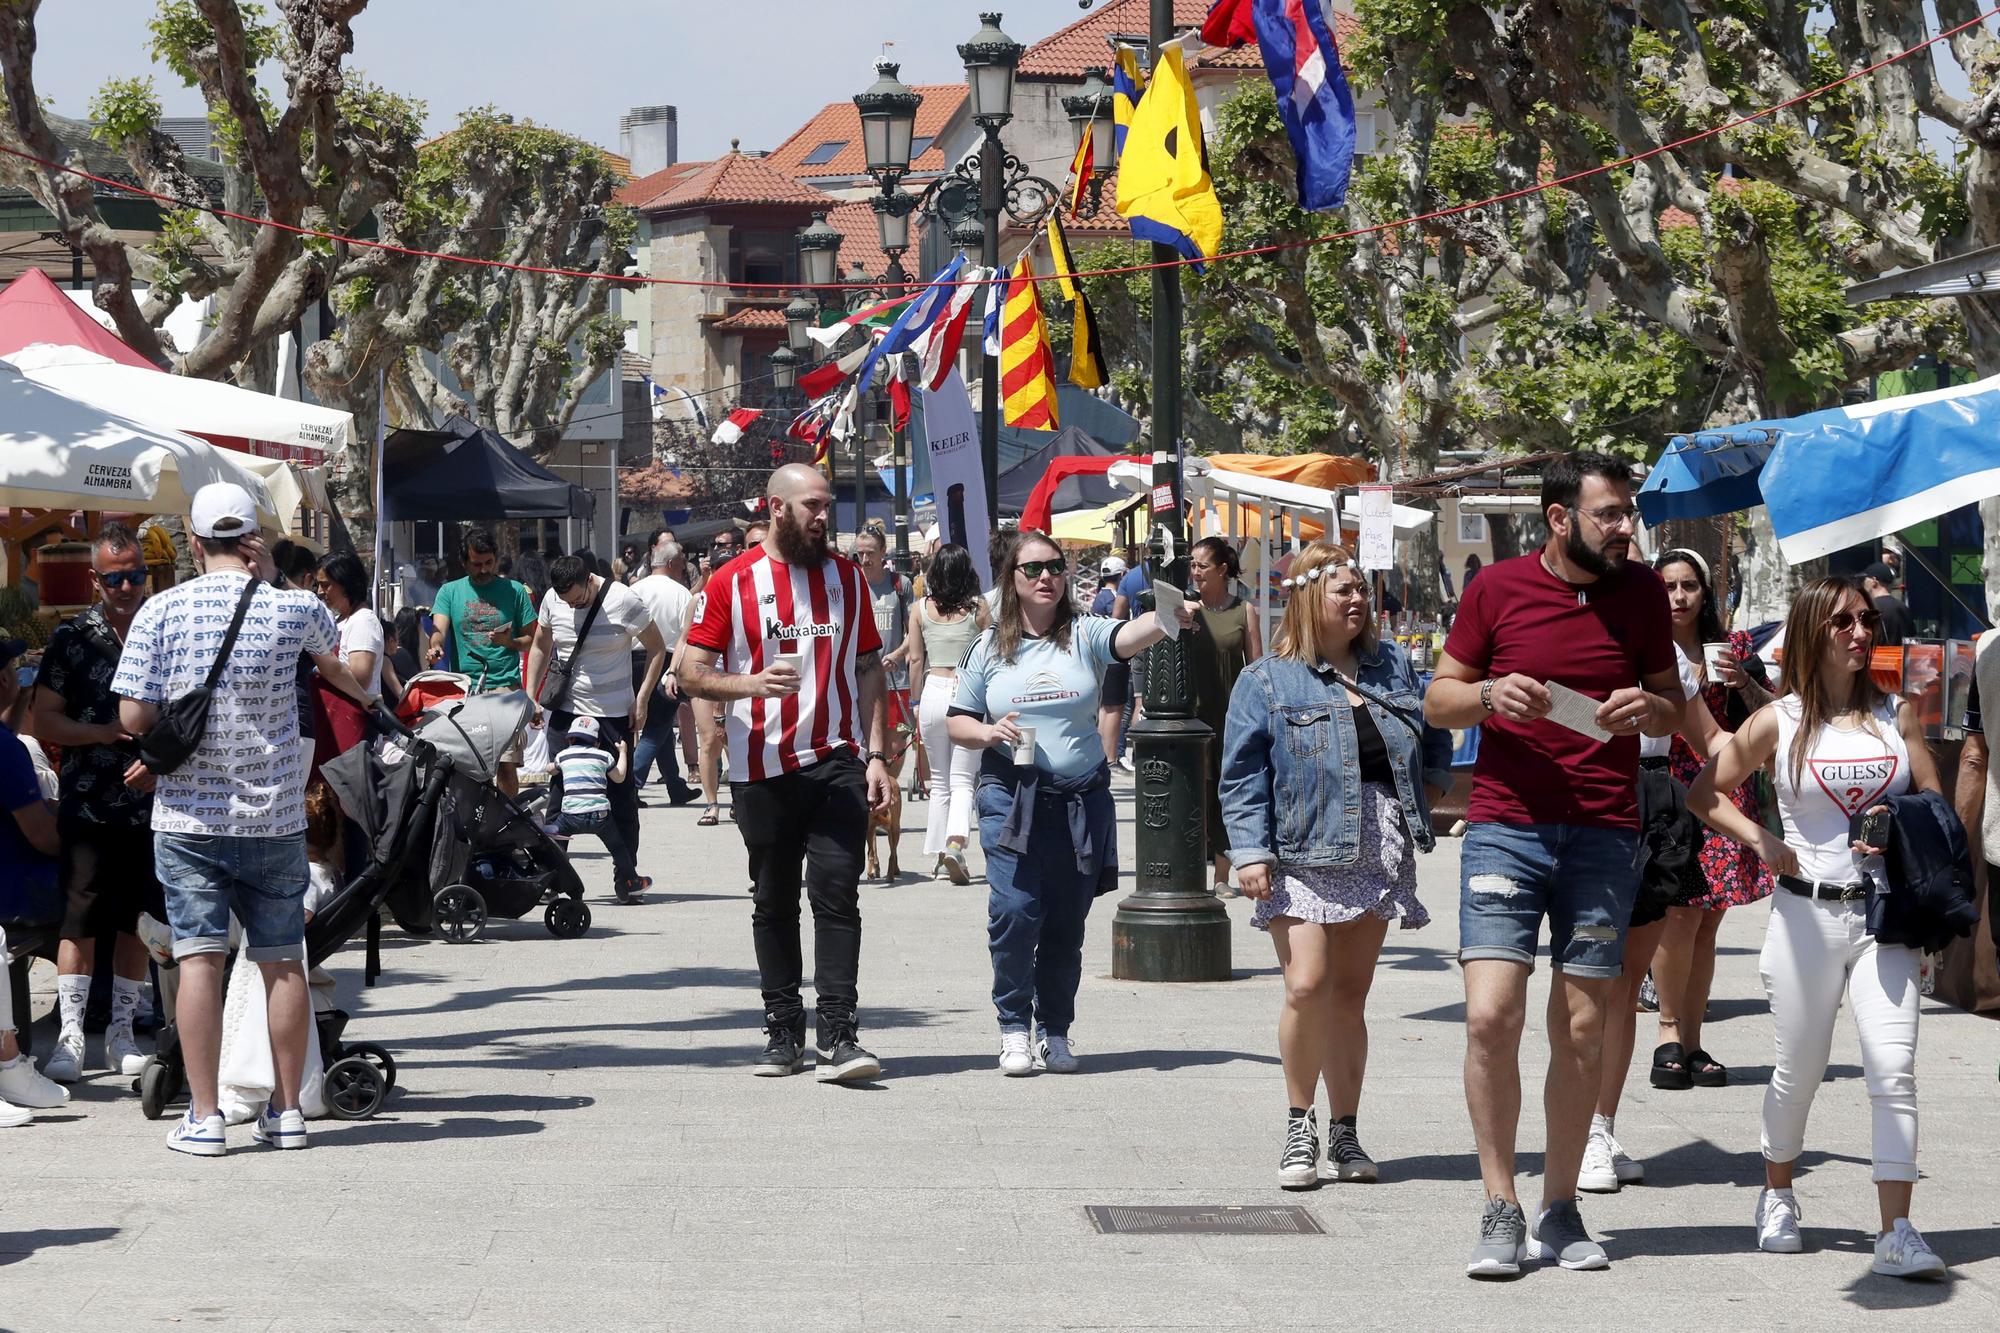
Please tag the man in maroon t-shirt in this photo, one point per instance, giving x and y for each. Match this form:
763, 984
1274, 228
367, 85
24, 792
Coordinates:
785, 636
1553, 828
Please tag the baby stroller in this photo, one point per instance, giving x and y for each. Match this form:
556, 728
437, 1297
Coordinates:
393, 805
489, 855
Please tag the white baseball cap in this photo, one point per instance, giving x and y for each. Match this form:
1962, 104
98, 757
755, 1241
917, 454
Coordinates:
1112, 565
583, 725
223, 509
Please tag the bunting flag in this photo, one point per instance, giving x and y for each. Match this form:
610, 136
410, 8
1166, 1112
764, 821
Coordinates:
1229, 24
915, 318
732, 428
1027, 363
1086, 357
938, 348
824, 378
1164, 192
996, 294
899, 393
1128, 83
1080, 168
821, 419
875, 317
1300, 52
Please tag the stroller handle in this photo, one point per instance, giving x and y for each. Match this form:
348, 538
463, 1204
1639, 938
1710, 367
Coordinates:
380, 715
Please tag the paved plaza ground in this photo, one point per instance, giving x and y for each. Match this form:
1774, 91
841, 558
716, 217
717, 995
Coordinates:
577, 1144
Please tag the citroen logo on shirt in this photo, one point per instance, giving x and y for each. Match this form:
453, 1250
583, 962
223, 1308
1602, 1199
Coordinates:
1044, 687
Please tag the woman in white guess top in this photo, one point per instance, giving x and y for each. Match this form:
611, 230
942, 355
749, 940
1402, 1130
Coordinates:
1842, 748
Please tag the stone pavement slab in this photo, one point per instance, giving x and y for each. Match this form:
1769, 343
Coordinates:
576, 1143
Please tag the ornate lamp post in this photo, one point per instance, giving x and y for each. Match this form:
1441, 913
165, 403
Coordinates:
800, 316
784, 371
888, 124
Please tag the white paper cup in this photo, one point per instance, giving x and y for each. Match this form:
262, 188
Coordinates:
1711, 656
796, 661
1024, 749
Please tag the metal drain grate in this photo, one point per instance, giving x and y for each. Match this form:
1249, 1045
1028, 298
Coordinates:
1203, 1220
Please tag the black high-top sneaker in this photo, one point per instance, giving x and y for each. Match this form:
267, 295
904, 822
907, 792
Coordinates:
785, 1052
841, 1059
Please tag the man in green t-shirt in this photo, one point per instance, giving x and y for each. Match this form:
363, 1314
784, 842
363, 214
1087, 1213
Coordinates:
489, 618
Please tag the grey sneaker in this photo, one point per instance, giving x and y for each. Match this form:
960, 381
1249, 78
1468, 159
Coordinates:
1345, 1154
1502, 1237
1558, 1237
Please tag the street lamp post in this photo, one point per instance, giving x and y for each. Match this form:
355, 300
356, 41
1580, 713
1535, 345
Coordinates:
819, 261
888, 124
991, 57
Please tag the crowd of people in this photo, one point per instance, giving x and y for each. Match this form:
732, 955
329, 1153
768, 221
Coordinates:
1640, 773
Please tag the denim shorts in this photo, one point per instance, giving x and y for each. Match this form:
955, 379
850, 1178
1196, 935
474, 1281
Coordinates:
262, 880
1582, 878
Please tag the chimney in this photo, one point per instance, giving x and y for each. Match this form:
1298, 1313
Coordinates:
650, 137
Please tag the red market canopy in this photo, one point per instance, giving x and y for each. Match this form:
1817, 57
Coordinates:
34, 310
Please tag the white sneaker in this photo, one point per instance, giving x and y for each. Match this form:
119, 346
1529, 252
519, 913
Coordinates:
1902, 1252
1055, 1055
1016, 1060
280, 1129
12, 1116
1600, 1169
199, 1138
1629, 1171
158, 938
1778, 1225
121, 1053
22, 1086
65, 1062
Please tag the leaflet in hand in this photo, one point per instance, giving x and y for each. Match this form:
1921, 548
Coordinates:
1578, 712
1167, 603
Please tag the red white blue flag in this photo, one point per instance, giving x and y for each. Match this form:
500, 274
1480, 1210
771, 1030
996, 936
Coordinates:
1297, 42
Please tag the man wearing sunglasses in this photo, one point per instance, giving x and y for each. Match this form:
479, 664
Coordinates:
104, 814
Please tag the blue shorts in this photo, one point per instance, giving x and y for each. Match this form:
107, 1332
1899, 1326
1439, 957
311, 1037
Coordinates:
1582, 878
205, 877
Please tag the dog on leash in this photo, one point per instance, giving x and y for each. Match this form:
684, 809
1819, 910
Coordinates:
889, 820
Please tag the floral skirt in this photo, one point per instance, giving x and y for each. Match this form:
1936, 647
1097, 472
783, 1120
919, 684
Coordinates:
1382, 883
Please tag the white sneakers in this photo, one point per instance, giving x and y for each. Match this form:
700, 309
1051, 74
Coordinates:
23, 1090
1902, 1252
1016, 1060
1606, 1168
1778, 1222
198, 1138
1055, 1055
65, 1062
280, 1129
121, 1052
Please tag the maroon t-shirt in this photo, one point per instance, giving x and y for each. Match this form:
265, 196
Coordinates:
1593, 637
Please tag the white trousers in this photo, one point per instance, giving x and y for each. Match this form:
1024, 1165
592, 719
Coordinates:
954, 769
1813, 953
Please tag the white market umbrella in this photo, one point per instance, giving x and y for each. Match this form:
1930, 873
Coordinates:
177, 402
57, 452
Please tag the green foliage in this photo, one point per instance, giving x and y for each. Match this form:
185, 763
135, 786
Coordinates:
175, 248
181, 35
352, 297
124, 109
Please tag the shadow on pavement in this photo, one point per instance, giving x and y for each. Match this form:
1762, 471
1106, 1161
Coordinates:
1721, 1011
355, 1133
1404, 958
1704, 1163
1108, 1062
1754, 1076
1956, 1248
18, 1245
675, 978
1461, 1166
423, 1104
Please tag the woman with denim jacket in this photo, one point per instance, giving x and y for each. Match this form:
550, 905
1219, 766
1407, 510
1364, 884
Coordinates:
1324, 762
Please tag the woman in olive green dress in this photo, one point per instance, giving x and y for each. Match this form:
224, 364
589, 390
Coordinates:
1223, 641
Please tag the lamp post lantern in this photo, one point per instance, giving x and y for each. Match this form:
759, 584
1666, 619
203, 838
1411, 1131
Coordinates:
800, 316
1090, 112
784, 370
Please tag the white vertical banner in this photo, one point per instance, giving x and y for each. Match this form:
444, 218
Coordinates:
1378, 528
958, 480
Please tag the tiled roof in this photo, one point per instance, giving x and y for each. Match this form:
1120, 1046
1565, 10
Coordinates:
840, 122
635, 194
732, 179
1065, 55
632, 366
751, 318
860, 239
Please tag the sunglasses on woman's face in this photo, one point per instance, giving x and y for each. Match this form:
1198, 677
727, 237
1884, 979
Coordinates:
1843, 621
1034, 569
122, 578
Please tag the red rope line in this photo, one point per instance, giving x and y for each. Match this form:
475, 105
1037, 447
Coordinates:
781, 287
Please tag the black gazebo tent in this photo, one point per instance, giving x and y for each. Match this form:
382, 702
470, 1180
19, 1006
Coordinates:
465, 472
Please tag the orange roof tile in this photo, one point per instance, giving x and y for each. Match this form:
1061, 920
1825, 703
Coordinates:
636, 194
733, 179
1066, 54
840, 122
751, 318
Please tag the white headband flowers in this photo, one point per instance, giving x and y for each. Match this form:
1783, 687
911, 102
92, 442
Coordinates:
1318, 572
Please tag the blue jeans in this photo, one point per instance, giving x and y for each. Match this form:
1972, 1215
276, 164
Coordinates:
1582, 878
1036, 907
205, 877
656, 742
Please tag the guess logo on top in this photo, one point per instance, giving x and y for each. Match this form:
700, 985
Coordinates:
1855, 784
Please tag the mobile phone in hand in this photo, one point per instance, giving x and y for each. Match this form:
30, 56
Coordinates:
1872, 829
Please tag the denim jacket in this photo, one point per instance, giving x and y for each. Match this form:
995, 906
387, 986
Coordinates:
1290, 788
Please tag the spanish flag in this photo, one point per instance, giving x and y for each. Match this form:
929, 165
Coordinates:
1080, 168
1027, 362
1127, 83
1086, 359
1164, 193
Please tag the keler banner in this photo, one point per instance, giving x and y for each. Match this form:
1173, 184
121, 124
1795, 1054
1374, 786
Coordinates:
957, 478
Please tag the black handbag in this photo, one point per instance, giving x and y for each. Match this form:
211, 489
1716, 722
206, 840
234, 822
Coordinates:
177, 733
561, 677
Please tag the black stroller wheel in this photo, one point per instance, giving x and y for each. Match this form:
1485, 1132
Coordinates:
459, 913
567, 918
158, 1085
354, 1088
385, 1063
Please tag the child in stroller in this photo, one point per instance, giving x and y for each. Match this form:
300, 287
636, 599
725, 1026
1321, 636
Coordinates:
588, 769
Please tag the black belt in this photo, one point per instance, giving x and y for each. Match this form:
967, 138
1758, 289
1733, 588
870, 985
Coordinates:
1823, 890
1655, 762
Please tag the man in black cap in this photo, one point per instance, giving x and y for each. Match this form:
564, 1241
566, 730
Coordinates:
1880, 581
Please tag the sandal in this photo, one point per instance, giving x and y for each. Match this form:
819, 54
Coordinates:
709, 818
1670, 1067
1705, 1070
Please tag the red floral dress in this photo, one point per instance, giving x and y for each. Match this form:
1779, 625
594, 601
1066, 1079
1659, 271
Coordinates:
1736, 875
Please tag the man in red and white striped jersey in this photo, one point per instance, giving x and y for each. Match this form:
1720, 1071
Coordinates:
785, 635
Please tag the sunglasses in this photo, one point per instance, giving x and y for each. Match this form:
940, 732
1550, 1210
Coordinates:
1034, 569
1843, 621
123, 578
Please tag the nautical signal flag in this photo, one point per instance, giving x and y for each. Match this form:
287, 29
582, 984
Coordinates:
1229, 24
732, 428
1027, 362
1164, 192
1080, 168
1128, 83
1086, 355
1296, 39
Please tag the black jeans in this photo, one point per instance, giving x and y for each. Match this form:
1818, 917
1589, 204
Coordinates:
624, 795
806, 826
603, 826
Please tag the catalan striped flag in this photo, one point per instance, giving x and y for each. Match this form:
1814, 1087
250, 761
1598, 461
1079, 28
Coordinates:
1027, 362
1128, 82
1086, 353
1080, 168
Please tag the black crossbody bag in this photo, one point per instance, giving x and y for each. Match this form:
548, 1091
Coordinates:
557, 683
177, 733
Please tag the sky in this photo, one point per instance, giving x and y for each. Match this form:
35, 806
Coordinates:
756, 82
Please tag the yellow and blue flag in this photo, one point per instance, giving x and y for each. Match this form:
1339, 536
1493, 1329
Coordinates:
1164, 191
1128, 82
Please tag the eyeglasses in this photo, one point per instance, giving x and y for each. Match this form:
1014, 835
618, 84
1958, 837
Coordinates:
1611, 516
1034, 569
1843, 621
122, 578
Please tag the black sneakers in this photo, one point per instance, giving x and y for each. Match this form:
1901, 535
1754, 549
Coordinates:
841, 1059
784, 1053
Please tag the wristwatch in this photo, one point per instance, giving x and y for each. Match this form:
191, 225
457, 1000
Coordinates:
1486, 695
873, 755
